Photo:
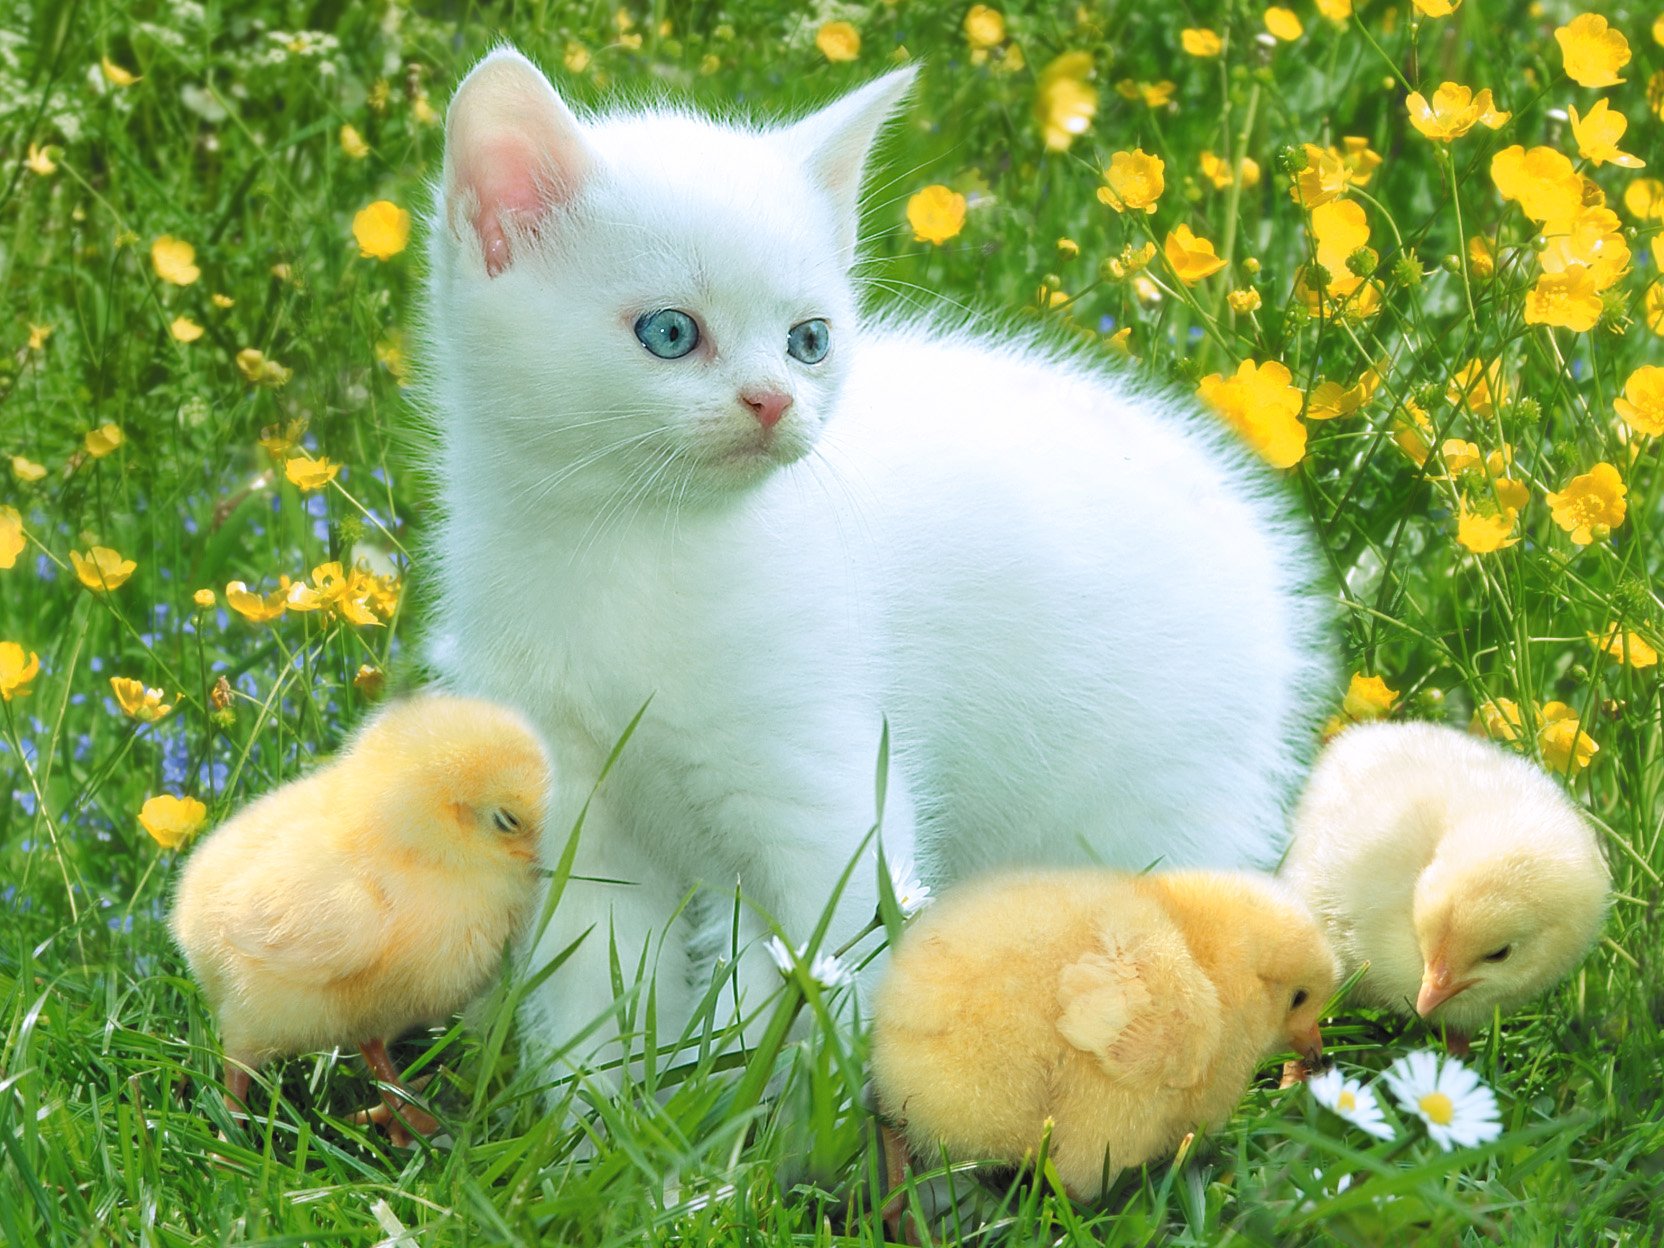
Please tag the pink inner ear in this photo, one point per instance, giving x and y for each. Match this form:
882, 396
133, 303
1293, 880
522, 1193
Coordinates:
506, 178
512, 152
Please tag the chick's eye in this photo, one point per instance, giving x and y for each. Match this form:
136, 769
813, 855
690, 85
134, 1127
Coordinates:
809, 341
1299, 998
668, 333
505, 822
1499, 955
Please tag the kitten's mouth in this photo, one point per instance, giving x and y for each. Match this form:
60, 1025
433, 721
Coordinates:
760, 452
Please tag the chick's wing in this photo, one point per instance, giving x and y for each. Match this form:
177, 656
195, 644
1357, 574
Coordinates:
1143, 1008
318, 936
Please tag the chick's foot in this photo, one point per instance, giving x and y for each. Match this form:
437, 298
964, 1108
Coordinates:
398, 1115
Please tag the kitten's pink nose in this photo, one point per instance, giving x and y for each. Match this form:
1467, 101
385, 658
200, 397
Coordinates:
768, 406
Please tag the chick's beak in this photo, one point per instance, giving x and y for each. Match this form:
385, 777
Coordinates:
1309, 1043
1437, 988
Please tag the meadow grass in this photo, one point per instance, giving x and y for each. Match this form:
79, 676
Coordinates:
221, 126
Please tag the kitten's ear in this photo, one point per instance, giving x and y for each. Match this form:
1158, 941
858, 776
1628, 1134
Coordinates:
513, 151
834, 143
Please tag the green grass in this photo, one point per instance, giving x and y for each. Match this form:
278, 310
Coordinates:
109, 1106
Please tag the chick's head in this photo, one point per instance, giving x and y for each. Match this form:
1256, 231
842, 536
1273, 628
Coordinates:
1498, 930
464, 779
1299, 973
1263, 942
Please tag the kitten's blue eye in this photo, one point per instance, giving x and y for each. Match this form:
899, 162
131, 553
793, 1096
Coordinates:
667, 333
809, 341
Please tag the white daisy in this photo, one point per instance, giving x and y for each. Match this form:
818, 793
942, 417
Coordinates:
912, 894
1459, 1110
829, 972
1351, 1100
826, 970
783, 956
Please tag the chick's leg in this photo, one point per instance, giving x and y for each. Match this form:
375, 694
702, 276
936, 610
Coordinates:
236, 1088
403, 1116
893, 1145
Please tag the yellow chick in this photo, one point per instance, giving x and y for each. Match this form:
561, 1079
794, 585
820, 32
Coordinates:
373, 895
1121, 1010
1461, 873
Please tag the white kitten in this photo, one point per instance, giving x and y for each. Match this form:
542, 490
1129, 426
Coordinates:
676, 462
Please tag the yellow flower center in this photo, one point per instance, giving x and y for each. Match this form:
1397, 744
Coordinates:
1438, 1108
1346, 1100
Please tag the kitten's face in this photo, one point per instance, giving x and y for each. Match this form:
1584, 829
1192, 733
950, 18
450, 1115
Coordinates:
661, 307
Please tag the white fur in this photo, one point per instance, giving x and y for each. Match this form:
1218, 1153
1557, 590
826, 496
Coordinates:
1085, 615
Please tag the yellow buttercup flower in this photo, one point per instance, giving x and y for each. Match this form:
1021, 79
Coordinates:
1486, 532
1244, 301
1412, 432
1568, 299
1593, 49
1339, 228
1261, 402
254, 365
39, 162
38, 334
1367, 697
171, 821
1597, 134
1283, 23
1642, 405
1644, 199
1625, 646
1565, 747
1200, 42
1131, 261
1192, 258
1324, 178
984, 27
1480, 386
251, 606
12, 541
382, 230
174, 260
1133, 182
1330, 399
1436, 8
838, 41
1591, 505
1481, 259
1499, 719
25, 469
352, 143
310, 474
17, 671
1064, 102
1335, 10
936, 214
115, 75
103, 440
101, 568
1652, 308
1453, 111
204, 598
137, 702
1218, 171
1592, 238
1543, 181
1150, 94
185, 329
